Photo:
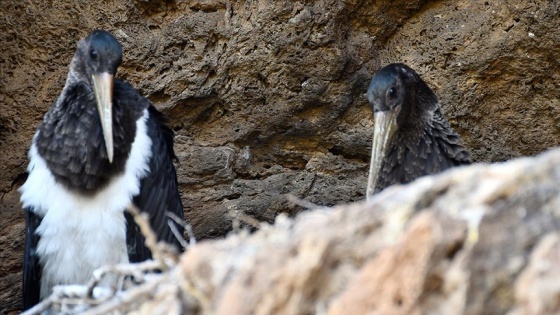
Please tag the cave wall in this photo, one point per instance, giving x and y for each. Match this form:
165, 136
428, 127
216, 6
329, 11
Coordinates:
268, 97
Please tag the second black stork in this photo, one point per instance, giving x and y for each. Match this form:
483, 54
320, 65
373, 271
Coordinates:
411, 136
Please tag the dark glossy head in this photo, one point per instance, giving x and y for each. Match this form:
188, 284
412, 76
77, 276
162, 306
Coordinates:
386, 89
97, 53
398, 88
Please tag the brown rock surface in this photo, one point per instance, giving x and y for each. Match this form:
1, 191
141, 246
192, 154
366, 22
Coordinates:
267, 97
537, 289
409, 277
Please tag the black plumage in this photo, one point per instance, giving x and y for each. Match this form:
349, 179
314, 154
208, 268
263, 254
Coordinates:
31, 268
157, 191
70, 138
412, 138
86, 141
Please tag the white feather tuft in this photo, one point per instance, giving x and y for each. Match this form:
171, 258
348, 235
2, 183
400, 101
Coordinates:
80, 234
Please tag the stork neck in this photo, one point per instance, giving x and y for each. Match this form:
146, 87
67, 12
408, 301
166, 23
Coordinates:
70, 139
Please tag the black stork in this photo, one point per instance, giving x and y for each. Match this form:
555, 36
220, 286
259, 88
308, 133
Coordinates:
411, 136
99, 148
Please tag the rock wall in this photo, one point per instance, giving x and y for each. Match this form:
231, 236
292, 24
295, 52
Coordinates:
268, 97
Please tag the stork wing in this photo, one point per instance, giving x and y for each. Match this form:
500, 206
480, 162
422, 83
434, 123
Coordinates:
31, 267
158, 192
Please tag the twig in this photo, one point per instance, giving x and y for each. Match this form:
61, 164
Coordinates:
41, 307
132, 295
177, 234
149, 235
236, 214
185, 225
190, 233
135, 270
302, 203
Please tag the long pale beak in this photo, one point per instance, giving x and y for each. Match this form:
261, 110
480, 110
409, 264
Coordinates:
385, 126
103, 89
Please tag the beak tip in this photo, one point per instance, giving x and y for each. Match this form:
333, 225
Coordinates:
110, 155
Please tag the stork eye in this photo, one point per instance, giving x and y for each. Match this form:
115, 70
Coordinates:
93, 54
392, 92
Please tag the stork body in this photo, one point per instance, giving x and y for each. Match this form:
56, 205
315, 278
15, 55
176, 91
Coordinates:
412, 138
100, 147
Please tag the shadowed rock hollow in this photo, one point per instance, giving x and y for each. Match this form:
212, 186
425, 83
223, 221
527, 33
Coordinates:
268, 97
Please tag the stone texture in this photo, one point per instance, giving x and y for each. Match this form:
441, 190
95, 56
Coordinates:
411, 277
267, 97
536, 288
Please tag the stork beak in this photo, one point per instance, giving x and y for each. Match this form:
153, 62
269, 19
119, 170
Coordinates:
384, 128
103, 89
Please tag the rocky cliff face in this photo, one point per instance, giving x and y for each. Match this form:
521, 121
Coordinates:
267, 97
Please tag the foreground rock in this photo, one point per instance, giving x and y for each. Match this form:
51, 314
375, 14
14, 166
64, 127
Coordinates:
477, 240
